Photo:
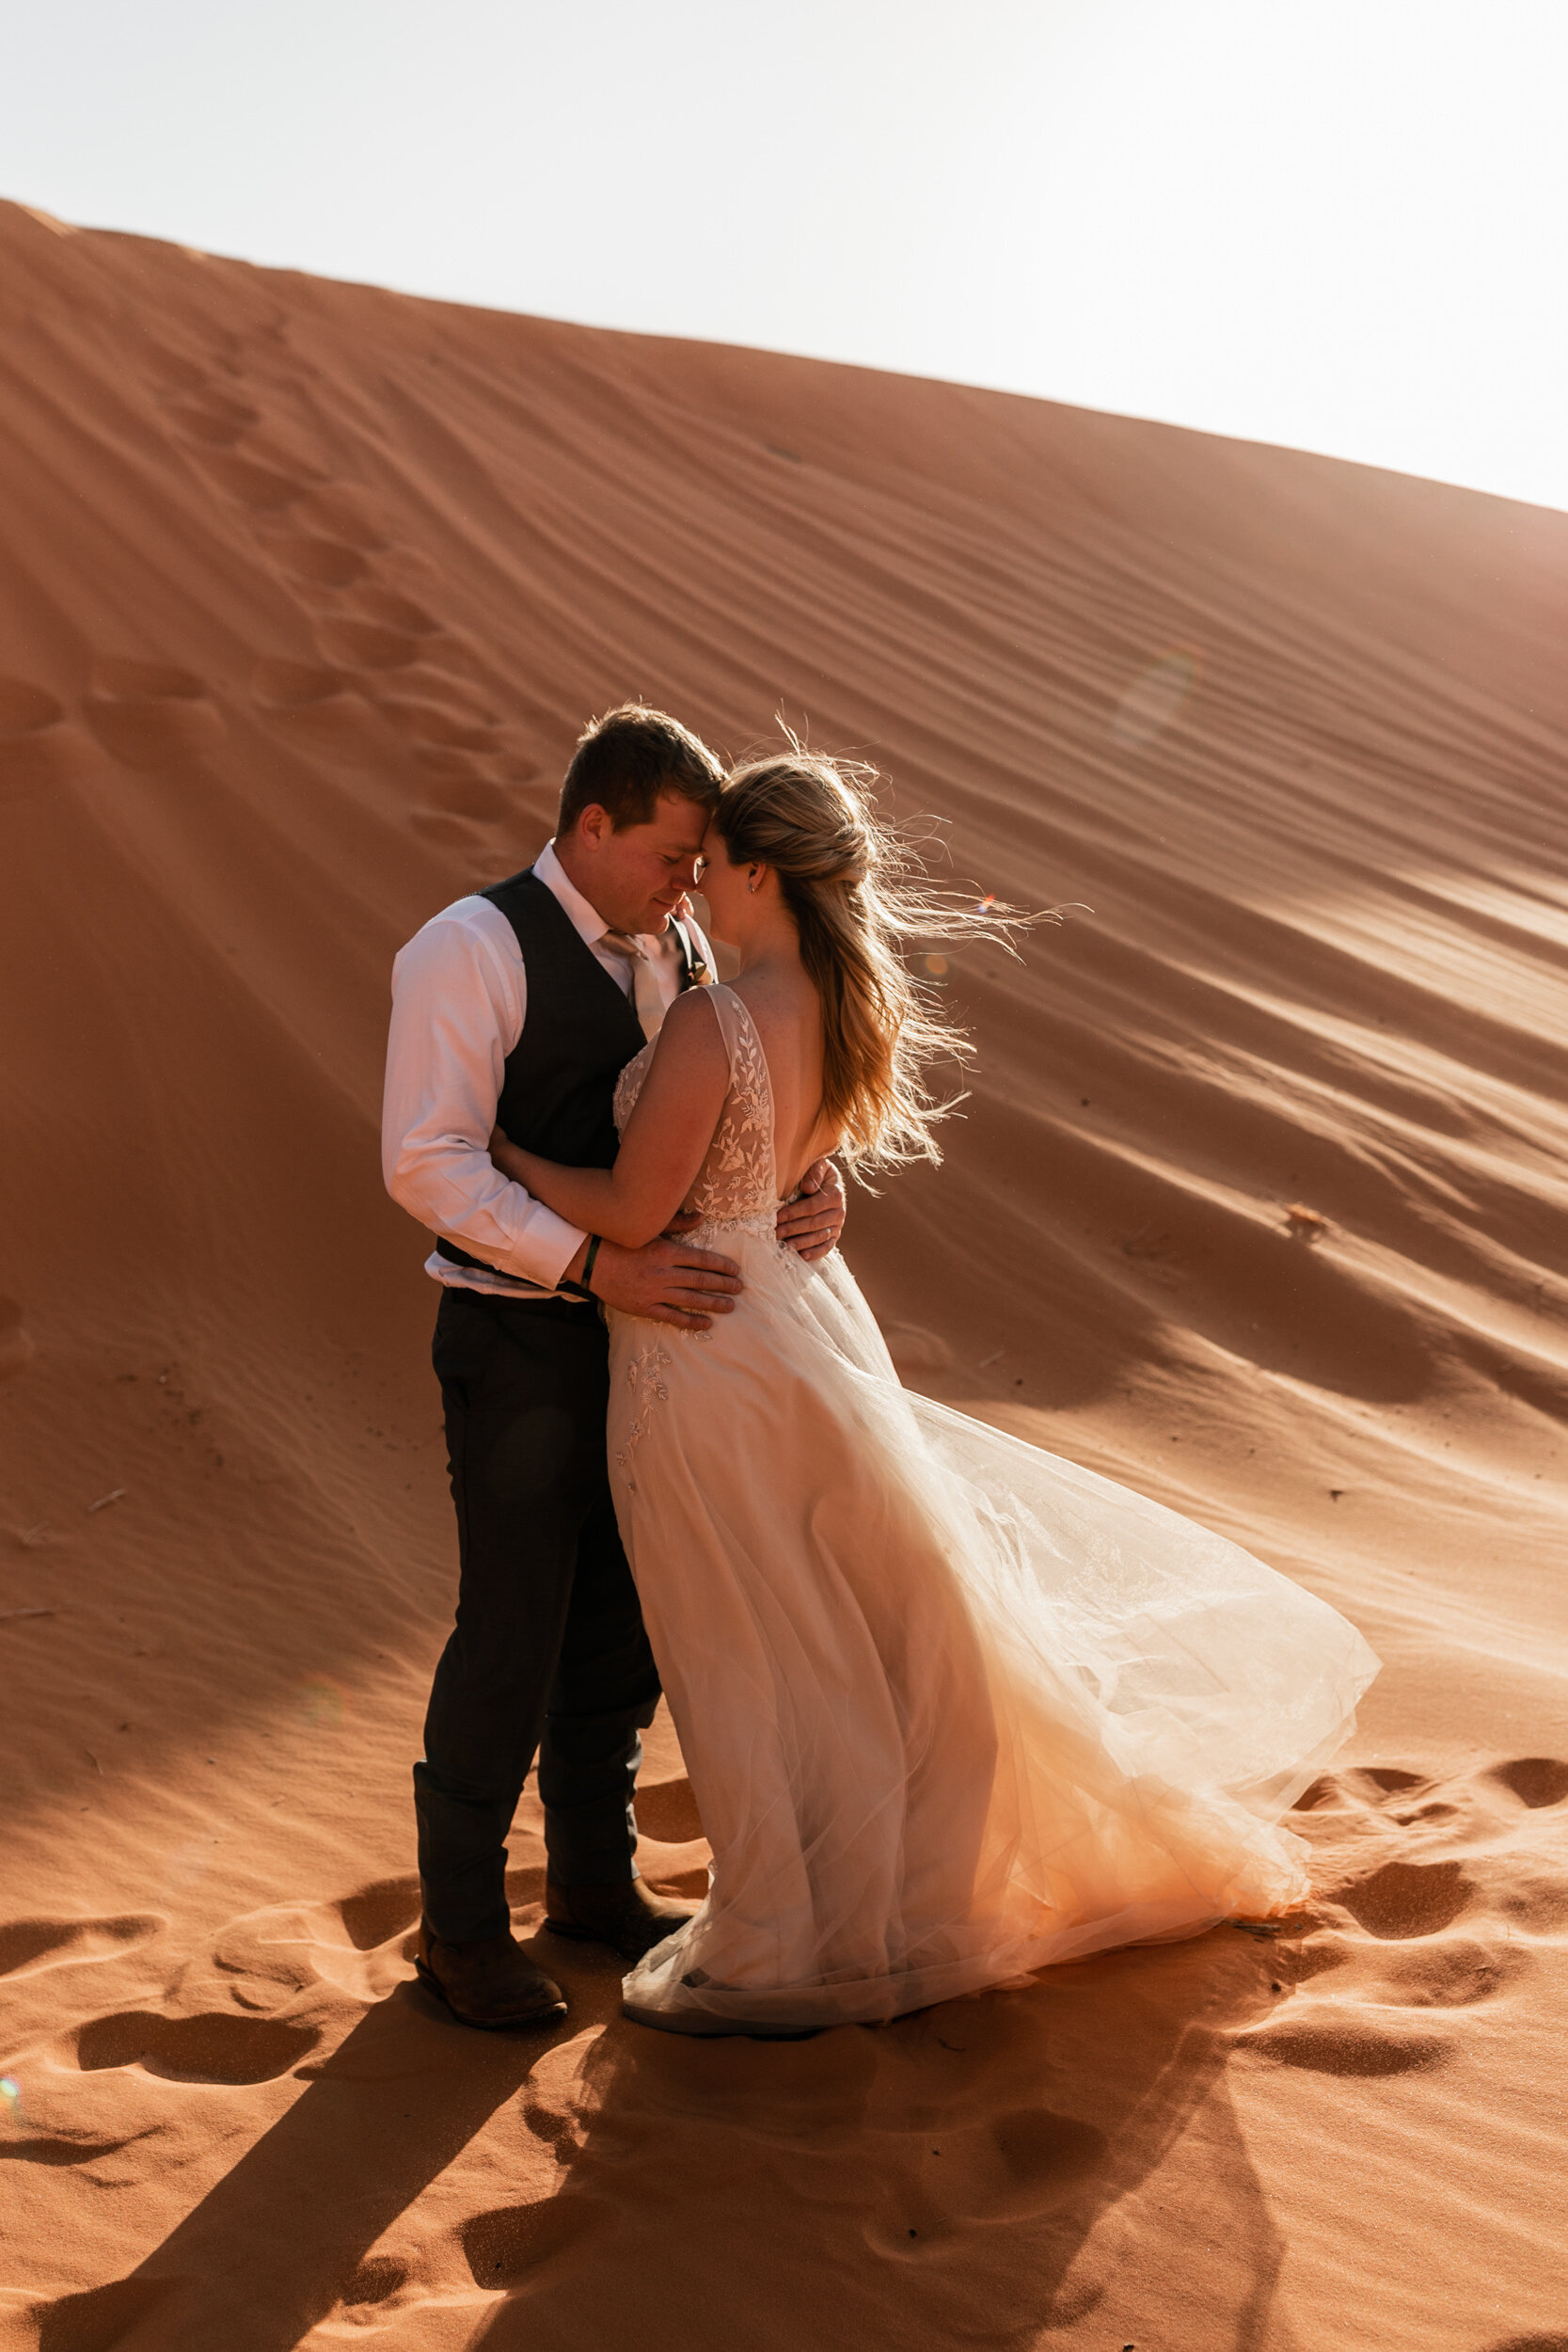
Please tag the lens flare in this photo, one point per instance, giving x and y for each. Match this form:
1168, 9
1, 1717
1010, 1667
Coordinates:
936, 966
10, 2095
1155, 696
984, 906
323, 1702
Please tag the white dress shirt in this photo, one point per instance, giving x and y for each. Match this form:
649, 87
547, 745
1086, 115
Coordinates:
459, 998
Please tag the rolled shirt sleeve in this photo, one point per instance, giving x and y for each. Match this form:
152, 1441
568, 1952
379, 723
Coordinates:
458, 1004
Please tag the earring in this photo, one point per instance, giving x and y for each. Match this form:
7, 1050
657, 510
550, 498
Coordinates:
753, 883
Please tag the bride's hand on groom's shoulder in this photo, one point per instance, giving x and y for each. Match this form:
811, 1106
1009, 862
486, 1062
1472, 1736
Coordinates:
667, 1280
812, 1222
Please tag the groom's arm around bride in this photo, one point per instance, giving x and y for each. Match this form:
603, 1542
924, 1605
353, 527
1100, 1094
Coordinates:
459, 1003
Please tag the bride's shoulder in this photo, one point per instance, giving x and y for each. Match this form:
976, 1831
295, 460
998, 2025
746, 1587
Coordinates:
695, 1008
693, 1025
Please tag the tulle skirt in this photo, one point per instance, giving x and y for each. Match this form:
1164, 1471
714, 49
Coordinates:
952, 1708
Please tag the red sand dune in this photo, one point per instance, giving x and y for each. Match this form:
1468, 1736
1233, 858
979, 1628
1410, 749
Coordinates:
306, 590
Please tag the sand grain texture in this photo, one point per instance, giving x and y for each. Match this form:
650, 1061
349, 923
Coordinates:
1259, 1203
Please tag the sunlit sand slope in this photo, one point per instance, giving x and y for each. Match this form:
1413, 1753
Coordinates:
1258, 1200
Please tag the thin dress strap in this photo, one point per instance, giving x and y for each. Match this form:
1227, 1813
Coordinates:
742, 1159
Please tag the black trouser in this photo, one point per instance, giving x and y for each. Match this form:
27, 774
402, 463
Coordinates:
548, 1654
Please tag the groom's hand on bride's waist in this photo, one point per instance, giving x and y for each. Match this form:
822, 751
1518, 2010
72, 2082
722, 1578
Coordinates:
667, 1280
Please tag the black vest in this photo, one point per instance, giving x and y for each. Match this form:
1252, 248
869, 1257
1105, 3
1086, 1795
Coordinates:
579, 1031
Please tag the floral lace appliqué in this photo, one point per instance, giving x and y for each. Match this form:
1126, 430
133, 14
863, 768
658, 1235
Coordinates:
734, 1189
736, 1182
645, 1372
735, 1186
628, 1085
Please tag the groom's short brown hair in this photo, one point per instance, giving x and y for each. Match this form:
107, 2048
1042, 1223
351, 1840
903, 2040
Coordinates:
625, 760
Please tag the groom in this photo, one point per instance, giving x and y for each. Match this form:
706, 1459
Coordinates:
519, 1007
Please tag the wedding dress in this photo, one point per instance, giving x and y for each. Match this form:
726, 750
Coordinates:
952, 1709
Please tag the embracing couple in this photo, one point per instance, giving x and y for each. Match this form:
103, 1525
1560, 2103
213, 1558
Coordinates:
952, 1708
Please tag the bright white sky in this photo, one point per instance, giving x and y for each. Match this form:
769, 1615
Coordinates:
1337, 224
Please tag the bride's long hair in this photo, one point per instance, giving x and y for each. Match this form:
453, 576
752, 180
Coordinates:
863, 904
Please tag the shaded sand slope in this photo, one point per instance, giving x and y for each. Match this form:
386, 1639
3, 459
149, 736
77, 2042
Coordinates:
305, 590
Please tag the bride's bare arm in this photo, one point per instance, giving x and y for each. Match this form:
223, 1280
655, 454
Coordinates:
664, 1146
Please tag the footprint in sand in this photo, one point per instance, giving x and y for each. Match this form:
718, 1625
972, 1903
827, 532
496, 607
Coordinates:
464, 790
385, 1909
28, 1947
1407, 1899
516, 768
210, 417
58, 2148
16, 1347
172, 373
1392, 1978
1537, 1781
213, 2048
212, 421
1344, 2042
1021, 2165
513, 2242
396, 612
325, 563
449, 739
1386, 1780
448, 672
262, 488
355, 1944
150, 715
365, 645
439, 725
38, 745
321, 711
1455, 1973
338, 513
1027, 2162
376, 2280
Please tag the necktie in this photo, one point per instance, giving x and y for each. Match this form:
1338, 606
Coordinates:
646, 996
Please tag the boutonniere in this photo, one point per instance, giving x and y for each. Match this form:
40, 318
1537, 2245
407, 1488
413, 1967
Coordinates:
699, 972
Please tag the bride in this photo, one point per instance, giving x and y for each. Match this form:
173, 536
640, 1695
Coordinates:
952, 1709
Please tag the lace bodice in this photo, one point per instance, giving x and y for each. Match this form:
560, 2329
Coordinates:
738, 1182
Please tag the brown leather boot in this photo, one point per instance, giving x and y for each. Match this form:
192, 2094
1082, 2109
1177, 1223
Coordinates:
625, 1916
490, 1982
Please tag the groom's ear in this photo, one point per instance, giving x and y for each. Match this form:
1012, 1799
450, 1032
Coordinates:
595, 823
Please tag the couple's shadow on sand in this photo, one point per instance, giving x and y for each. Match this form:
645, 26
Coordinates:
961, 2175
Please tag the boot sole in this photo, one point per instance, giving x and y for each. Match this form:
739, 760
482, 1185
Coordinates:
431, 1982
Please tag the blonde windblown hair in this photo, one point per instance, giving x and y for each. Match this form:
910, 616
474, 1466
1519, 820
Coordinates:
862, 901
